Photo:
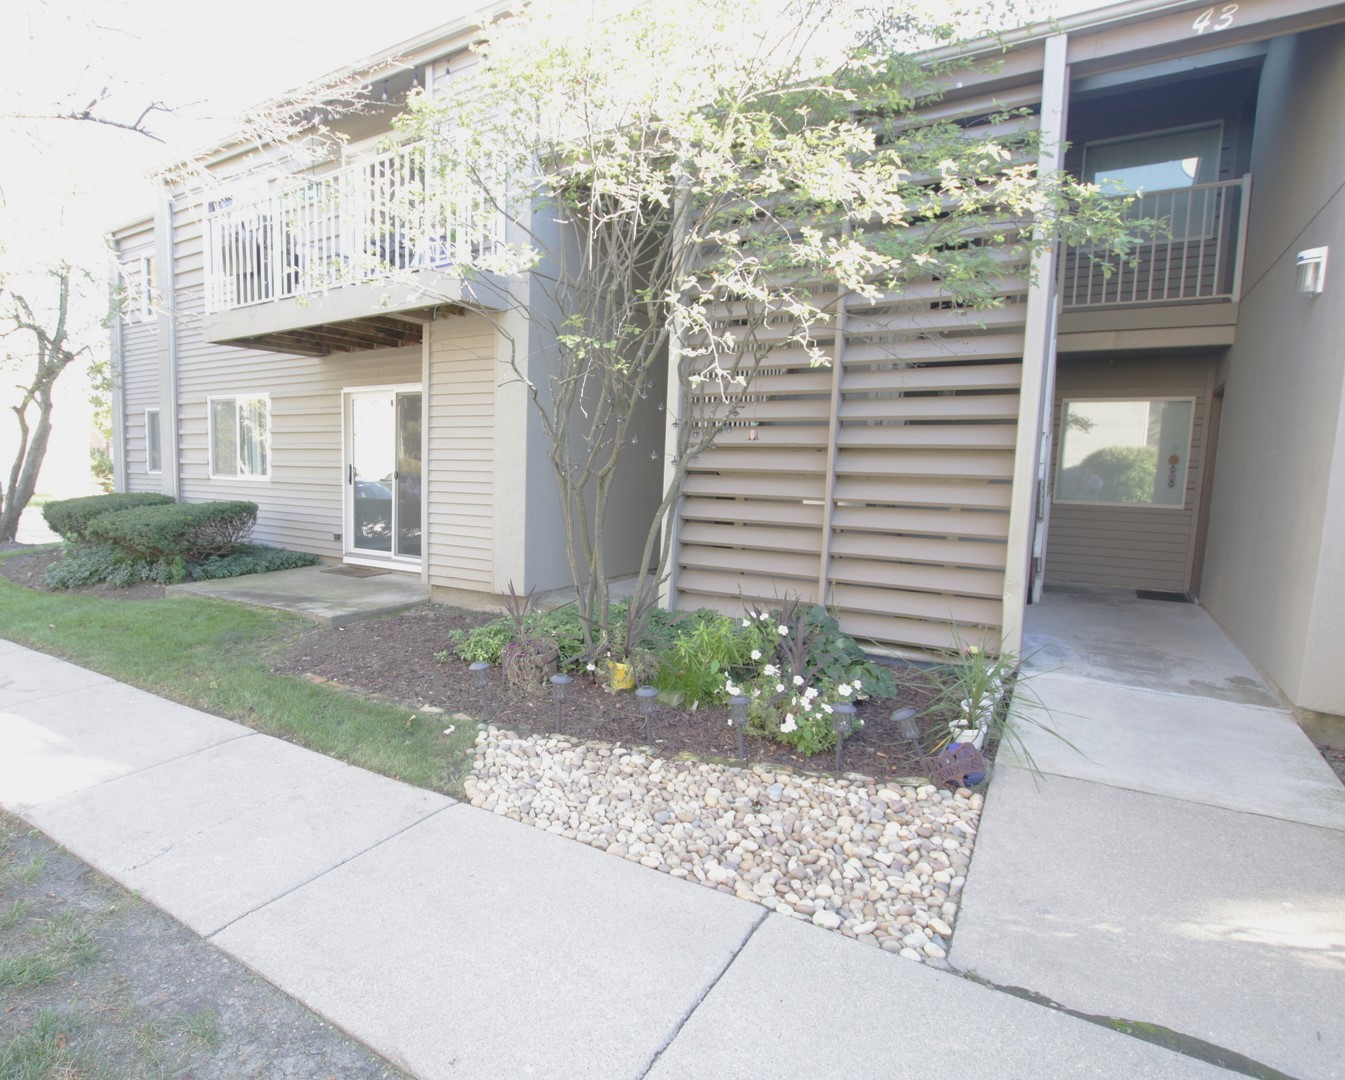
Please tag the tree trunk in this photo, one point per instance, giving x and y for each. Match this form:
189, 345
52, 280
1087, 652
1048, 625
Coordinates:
53, 357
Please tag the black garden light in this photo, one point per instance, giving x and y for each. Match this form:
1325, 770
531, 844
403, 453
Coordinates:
481, 676
910, 730
646, 696
843, 722
738, 718
560, 691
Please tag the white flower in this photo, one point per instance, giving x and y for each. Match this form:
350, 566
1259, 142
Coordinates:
764, 616
826, 708
859, 685
747, 622
784, 630
810, 693
798, 680
756, 653
789, 725
769, 670
756, 691
806, 705
592, 666
731, 690
779, 688
844, 689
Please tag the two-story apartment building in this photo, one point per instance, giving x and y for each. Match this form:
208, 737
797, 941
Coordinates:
1174, 423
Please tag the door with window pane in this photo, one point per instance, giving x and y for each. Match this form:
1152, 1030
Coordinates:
383, 473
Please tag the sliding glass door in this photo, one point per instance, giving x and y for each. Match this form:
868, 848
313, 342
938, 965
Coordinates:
383, 473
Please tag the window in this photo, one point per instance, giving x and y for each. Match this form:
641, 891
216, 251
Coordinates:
1157, 161
153, 453
137, 282
1125, 452
240, 436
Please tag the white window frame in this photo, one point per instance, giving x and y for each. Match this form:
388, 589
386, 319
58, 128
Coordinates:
240, 474
151, 467
1118, 399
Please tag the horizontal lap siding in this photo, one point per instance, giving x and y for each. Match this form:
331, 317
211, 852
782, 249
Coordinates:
1133, 547
903, 529
300, 505
139, 367
461, 410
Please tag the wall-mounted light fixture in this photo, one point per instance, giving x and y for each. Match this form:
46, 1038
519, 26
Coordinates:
1312, 270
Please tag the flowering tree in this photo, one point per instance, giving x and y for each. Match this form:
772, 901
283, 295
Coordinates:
693, 187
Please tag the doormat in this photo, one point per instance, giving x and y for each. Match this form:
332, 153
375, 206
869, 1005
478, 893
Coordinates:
1175, 597
354, 571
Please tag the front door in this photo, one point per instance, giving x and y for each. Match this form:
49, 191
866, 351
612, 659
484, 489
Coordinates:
383, 475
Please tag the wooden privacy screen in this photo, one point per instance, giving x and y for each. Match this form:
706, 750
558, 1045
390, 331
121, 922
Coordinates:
880, 485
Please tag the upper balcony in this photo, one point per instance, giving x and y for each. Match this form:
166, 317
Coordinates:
320, 265
1196, 257
1177, 289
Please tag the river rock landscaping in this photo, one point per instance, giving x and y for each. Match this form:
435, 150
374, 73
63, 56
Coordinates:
883, 863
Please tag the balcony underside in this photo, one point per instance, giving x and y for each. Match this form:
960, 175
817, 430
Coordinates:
353, 318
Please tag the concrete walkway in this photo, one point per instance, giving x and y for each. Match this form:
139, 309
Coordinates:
461, 944
1183, 863
330, 595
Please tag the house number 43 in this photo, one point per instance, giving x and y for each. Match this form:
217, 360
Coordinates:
1215, 18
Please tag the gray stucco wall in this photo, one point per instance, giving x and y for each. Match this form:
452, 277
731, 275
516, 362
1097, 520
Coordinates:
1273, 571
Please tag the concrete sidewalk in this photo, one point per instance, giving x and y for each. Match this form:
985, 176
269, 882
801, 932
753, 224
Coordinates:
1183, 862
460, 944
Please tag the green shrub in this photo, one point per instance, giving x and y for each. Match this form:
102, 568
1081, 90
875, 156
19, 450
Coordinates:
709, 647
96, 564
70, 517
102, 564
249, 559
190, 532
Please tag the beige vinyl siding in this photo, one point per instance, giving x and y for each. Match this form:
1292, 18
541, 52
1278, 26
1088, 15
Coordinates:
879, 485
1132, 547
460, 408
139, 362
300, 505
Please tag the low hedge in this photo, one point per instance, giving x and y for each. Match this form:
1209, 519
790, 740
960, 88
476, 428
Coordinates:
87, 564
190, 532
69, 518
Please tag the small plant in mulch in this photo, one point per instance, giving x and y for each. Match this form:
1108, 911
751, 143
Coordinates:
528, 661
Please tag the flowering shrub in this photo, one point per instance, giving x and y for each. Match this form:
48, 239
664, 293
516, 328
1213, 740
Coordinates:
802, 670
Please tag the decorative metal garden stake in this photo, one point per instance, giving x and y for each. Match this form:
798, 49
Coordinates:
843, 721
910, 730
560, 690
738, 718
481, 673
646, 695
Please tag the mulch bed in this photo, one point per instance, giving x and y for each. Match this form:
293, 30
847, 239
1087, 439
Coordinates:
394, 658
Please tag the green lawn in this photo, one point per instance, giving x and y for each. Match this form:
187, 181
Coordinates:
212, 655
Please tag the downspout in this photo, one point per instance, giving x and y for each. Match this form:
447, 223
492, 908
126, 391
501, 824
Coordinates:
1034, 413
117, 372
426, 335
166, 287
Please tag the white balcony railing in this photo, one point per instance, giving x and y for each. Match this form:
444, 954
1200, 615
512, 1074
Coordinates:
368, 220
1198, 256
